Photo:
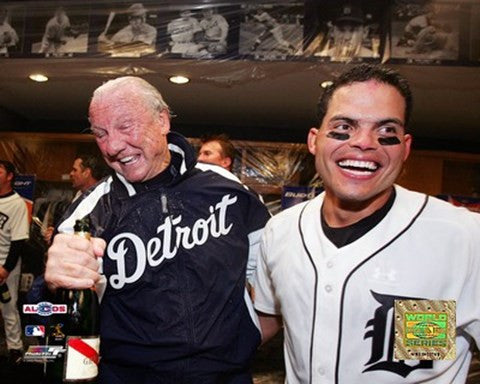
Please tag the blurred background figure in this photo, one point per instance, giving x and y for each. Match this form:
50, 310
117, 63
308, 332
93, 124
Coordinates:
271, 28
56, 32
346, 36
137, 30
215, 30
218, 150
14, 231
8, 36
86, 171
182, 32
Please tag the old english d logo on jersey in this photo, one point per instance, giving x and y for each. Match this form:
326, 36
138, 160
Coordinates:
377, 329
3, 220
172, 236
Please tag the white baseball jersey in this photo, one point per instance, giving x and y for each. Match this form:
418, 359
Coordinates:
13, 223
8, 37
216, 28
182, 30
145, 34
337, 303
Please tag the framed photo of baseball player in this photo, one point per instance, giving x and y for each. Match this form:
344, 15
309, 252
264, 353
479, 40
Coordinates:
12, 19
204, 32
347, 31
425, 32
125, 29
474, 51
57, 31
271, 31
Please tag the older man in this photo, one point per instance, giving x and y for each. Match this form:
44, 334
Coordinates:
175, 241
365, 277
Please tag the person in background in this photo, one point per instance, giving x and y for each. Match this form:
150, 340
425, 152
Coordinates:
14, 231
56, 31
348, 31
333, 269
178, 244
8, 37
218, 150
272, 28
137, 30
86, 171
215, 29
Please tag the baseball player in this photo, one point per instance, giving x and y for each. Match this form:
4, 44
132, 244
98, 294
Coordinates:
8, 36
182, 31
56, 32
178, 243
13, 233
215, 29
271, 29
332, 269
138, 30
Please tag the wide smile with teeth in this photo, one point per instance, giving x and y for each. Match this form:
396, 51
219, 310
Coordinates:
361, 167
127, 160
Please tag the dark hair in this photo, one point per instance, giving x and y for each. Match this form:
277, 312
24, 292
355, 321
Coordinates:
9, 167
97, 166
362, 73
228, 150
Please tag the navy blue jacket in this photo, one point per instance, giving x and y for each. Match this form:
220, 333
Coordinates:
177, 252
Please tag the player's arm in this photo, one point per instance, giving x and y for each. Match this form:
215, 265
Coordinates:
14, 254
270, 325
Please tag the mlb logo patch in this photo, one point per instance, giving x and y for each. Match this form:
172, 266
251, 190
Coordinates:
35, 330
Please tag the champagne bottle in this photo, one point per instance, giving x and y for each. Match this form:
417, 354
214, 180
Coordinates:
77, 331
4, 293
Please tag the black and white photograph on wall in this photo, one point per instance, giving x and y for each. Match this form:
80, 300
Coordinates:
201, 33
271, 31
127, 30
58, 31
11, 29
474, 55
425, 31
349, 31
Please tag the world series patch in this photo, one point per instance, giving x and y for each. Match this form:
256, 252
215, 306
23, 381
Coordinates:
425, 329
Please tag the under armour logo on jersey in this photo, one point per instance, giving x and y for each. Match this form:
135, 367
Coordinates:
382, 275
3, 220
381, 331
171, 236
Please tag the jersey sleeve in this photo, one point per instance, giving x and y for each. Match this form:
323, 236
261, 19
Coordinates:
263, 286
471, 293
19, 227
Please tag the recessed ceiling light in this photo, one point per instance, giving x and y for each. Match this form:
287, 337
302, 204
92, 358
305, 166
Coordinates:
38, 77
326, 84
179, 79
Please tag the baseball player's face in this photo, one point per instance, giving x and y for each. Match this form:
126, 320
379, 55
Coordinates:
131, 137
361, 146
5, 178
212, 153
78, 175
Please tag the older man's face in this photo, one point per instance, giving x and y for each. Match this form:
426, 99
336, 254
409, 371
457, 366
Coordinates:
131, 137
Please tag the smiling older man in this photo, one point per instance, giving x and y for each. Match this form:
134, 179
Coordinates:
177, 242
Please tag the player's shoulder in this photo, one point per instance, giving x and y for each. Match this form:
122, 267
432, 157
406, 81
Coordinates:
288, 220
210, 175
438, 212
